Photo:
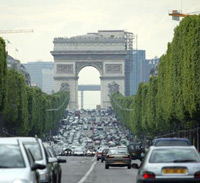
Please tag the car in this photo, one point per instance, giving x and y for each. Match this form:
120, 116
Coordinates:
66, 152
85, 127
17, 163
136, 151
118, 156
103, 155
36, 147
171, 142
178, 164
99, 152
97, 142
79, 151
56, 167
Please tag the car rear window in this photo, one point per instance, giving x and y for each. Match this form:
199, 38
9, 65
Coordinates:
173, 155
11, 157
118, 151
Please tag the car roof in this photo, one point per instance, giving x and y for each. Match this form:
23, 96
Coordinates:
172, 147
8, 140
171, 139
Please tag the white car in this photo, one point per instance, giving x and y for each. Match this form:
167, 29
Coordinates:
79, 152
180, 164
16, 162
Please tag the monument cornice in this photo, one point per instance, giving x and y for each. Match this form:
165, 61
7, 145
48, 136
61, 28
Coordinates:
65, 77
111, 77
120, 52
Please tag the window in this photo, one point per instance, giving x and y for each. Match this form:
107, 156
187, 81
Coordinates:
173, 155
11, 157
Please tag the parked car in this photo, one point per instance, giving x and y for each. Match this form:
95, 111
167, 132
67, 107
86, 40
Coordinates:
17, 163
118, 156
178, 164
36, 147
171, 142
56, 167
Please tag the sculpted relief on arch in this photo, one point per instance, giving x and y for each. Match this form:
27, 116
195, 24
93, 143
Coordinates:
97, 65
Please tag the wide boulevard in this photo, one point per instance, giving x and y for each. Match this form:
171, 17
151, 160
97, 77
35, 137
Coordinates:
89, 170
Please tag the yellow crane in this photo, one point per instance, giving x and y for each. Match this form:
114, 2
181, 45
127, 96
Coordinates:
16, 31
177, 14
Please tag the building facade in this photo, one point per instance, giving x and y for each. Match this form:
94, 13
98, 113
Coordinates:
16, 65
41, 75
137, 70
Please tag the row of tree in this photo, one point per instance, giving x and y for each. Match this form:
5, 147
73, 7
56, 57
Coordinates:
25, 110
171, 100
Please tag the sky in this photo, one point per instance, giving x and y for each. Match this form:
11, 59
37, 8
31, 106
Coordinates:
148, 19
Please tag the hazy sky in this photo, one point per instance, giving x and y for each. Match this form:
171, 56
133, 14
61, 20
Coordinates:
65, 18
148, 19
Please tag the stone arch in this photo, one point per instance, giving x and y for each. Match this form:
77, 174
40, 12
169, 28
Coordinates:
104, 51
97, 65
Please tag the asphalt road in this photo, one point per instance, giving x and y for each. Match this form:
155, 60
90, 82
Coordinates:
88, 170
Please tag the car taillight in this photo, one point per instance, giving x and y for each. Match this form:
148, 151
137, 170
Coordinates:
197, 175
126, 157
148, 175
110, 156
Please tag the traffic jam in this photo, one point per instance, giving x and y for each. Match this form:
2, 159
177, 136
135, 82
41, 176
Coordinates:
99, 134
89, 142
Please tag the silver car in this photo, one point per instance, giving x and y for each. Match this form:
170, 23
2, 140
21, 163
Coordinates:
118, 156
177, 164
17, 163
35, 145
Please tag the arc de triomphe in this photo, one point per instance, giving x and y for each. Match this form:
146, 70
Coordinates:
104, 50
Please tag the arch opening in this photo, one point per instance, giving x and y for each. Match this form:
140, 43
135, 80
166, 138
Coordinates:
89, 81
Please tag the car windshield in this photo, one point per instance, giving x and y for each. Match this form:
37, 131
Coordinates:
173, 156
118, 151
11, 157
35, 150
171, 143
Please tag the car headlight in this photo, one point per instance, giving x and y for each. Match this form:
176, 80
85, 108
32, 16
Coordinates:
20, 181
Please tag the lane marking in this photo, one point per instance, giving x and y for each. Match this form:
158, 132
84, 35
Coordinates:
88, 173
94, 158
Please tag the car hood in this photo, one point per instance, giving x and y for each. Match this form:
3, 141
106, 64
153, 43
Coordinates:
9, 175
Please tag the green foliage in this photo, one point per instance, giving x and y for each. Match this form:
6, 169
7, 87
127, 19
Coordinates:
171, 100
3, 71
24, 111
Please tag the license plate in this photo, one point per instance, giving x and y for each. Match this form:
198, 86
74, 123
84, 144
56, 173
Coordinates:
174, 171
119, 162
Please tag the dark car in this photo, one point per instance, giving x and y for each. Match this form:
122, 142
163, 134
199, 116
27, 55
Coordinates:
66, 152
103, 155
171, 142
136, 151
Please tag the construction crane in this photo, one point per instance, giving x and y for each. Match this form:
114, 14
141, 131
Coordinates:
177, 14
16, 31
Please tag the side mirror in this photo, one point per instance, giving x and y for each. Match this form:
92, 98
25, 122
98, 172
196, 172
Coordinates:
38, 166
52, 160
135, 166
60, 160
